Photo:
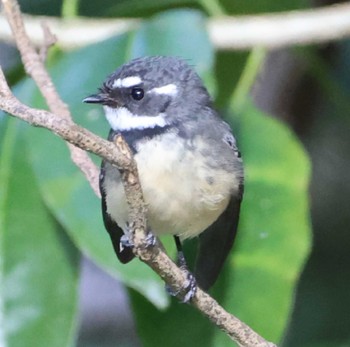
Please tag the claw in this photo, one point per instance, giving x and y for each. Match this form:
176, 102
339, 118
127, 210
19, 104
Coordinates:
125, 242
150, 240
170, 291
190, 288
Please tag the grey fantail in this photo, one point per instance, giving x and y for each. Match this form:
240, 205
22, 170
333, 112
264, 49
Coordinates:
190, 169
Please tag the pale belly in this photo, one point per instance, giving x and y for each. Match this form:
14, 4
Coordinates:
183, 194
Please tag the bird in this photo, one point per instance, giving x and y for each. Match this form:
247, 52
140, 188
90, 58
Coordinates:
190, 168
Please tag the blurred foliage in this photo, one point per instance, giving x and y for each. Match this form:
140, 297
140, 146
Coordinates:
321, 316
39, 264
44, 198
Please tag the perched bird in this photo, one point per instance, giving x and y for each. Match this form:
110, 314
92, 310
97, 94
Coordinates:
189, 166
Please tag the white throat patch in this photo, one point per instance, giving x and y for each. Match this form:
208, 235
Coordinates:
121, 119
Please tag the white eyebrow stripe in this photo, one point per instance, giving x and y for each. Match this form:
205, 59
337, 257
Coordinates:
127, 82
168, 89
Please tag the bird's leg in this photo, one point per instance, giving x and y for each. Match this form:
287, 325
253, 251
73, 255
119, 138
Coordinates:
181, 261
190, 286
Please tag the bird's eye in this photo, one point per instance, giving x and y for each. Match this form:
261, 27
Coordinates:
137, 93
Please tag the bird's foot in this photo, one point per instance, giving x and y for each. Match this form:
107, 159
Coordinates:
127, 242
150, 240
189, 289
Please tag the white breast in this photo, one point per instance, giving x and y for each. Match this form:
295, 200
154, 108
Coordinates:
180, 198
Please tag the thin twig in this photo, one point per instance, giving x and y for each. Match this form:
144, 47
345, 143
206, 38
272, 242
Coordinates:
316, 25
49, 40
35, 68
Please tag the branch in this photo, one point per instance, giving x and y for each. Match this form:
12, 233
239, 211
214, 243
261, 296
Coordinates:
34, 65
119, 154
317, 25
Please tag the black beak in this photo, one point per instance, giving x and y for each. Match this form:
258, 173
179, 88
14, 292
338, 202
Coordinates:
94, 99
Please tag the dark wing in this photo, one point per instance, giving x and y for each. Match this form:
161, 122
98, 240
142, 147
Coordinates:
124, 254
216, 242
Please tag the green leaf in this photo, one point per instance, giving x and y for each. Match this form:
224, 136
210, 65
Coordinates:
38, 263
173, 33
274, 233
259, 278
179, 325
76, 75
